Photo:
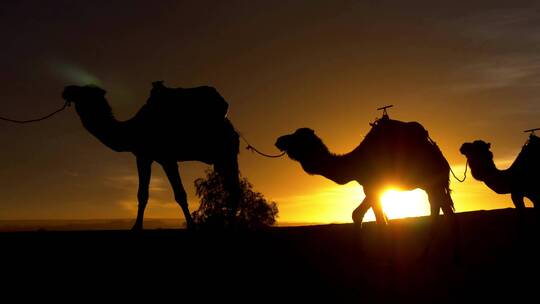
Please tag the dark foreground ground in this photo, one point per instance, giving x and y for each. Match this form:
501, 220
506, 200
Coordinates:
499, 261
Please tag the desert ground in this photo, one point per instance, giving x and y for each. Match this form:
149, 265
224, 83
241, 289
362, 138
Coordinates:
497, 259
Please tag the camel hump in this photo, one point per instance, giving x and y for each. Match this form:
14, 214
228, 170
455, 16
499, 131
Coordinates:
393, 127
418, 129
532, 147
528, 159
202, 102
534, 141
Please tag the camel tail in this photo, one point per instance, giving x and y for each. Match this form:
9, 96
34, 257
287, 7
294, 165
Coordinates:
447, 169
448, 192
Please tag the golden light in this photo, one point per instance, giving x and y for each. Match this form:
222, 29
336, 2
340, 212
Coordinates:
399, 204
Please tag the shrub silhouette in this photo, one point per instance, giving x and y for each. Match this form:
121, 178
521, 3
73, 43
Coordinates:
253, 212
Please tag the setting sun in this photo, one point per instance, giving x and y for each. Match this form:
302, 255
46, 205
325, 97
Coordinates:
399, 204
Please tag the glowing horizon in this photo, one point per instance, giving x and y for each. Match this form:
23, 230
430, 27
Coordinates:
465, 72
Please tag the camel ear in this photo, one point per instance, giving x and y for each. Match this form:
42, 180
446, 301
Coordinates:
158, 84
94, 89
305, 131
308, 130
488, 145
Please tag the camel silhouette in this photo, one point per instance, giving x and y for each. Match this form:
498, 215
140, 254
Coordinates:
174, 125
521, 179
393, 154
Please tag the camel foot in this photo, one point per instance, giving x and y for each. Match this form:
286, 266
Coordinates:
357, 220
191, 226
137, 227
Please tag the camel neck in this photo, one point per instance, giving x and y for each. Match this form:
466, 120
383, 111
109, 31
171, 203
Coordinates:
100, 122
334, 167
497, 180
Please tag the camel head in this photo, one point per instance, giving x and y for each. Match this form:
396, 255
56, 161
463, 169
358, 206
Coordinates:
83, 95
478, 149
303, 146
479, 157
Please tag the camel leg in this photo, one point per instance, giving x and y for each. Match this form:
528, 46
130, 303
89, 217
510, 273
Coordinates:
519, 203
376, 206
358, 217
360, 211
384, 235
434, 216
231, 183
517, 199
369, 202
180, 196
456, 230
535, 199
440, 198
144, 168
436, 199
380, 217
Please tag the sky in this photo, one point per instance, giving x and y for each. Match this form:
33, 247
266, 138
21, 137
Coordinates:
465, 70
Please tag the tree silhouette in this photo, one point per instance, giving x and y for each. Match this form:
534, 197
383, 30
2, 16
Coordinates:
254, 211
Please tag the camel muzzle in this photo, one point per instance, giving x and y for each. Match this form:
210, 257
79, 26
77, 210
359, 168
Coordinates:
464, 148
282, 144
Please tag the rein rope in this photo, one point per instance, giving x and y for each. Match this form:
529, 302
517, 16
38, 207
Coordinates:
36, 119
253, 149
452, 171
464, 173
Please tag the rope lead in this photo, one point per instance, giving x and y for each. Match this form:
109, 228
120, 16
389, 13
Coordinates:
464, 173
36, 119
252, 149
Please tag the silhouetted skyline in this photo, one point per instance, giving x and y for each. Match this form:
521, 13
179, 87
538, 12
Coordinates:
465, 70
